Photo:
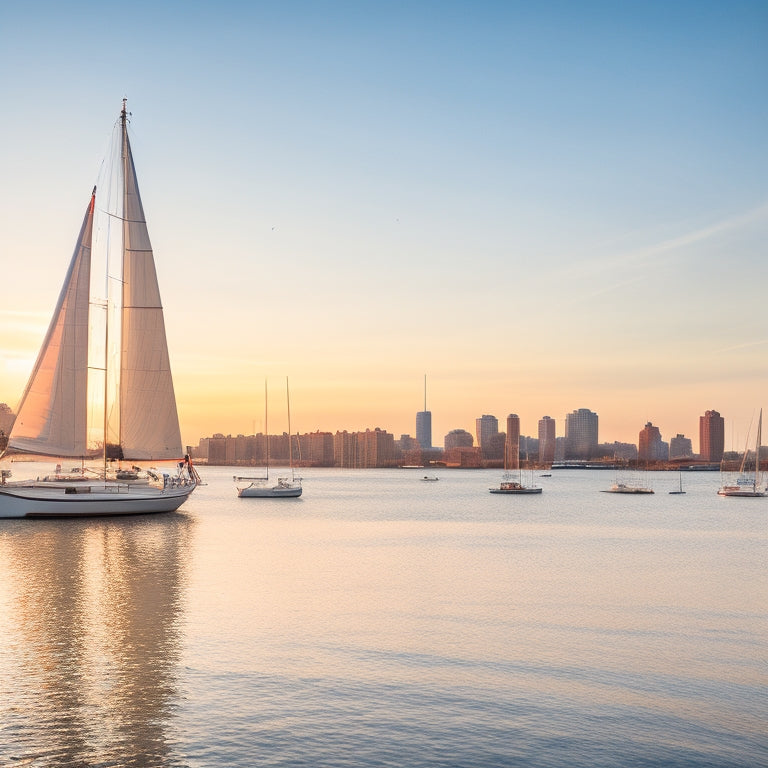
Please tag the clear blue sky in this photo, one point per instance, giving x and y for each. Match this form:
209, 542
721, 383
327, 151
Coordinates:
544, 206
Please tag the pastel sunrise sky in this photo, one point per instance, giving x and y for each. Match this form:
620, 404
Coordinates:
541, 206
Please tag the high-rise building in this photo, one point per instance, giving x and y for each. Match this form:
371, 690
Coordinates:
581, 434
485, 426
512, 446
424, 429
547, 437
680, 447
711, 437
424, 424
649, 444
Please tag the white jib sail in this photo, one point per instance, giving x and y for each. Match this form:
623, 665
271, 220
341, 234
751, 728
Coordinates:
52, 414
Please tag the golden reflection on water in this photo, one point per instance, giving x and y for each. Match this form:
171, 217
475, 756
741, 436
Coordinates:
91, 610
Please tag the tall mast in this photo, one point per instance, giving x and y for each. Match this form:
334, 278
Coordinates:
757, 449
266, 428
123, 167
290, 448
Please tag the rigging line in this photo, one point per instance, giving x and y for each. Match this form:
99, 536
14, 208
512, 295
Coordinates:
121, 218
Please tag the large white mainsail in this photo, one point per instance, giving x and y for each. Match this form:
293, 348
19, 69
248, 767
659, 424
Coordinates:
51, 418
149, 422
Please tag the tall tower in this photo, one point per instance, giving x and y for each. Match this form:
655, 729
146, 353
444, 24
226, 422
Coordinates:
424, 423
547, 438
581, 434
711, 436
512, 446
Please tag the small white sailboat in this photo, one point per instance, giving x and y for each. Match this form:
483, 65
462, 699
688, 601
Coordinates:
508, 484
748, 485
622, 486
259, 487
140, 422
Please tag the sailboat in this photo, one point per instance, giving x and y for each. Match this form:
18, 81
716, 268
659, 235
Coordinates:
621, 486
679, 490
748, 485
508, 484
139, 421
260, 487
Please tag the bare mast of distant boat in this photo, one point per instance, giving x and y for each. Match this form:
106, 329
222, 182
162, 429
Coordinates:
259, 487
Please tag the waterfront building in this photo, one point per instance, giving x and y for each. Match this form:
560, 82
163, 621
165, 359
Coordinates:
494, 447
319, 451
581, 428
617, 450
375, 448
547, 438
485, 426
458, 438
407, 443
217, 449
711, 437
680, 447
650, 446
7, 417
345, 449
529, 448
465, 457
512, 446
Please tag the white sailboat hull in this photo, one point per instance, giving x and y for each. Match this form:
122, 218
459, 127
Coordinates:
280, 491
90, 500
731, 490
622, 488
524, 489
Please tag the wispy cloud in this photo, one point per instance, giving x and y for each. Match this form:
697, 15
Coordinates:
642, 255
744, 345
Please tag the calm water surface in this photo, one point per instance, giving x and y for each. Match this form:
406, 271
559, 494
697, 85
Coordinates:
384, 621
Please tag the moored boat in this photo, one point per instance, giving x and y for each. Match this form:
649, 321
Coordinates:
512, 486
624, 488
260, 487
748, 485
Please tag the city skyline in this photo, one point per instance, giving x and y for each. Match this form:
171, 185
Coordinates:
547, 426
543, 207
730, 438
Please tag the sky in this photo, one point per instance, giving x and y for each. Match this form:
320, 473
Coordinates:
539, 206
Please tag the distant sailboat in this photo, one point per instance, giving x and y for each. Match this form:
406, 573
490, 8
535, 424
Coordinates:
680, 489
748, 485
508, 484
139, 418
259, 487
622, 486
